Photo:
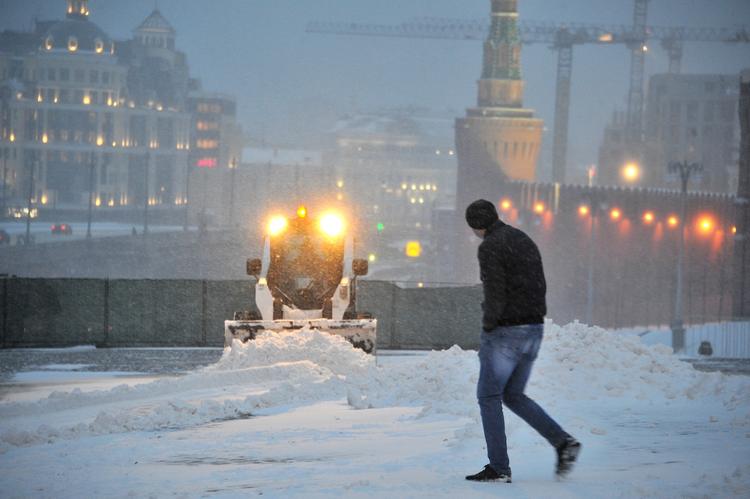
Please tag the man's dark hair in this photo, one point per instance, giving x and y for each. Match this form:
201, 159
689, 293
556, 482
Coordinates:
481, 214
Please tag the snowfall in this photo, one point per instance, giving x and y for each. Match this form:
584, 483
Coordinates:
306, 415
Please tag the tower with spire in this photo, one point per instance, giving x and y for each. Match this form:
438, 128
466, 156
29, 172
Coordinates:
498, 140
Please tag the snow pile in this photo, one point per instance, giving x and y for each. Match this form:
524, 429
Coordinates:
607, 364
326, 350
296, 368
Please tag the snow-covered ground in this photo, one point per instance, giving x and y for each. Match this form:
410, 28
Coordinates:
306, 415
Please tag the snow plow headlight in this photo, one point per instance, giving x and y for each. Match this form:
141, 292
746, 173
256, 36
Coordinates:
277, 225
332, 224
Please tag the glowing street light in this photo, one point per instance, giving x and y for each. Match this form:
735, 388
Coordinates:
539, 208
505, 205
583, 210
615, 214
631, 172
648, 217
673, 221
684, 169
705, 224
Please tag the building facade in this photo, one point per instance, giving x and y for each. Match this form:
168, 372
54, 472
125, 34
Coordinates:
85, 118
693, 118
687, 118
741, 264
396, 164
215, 155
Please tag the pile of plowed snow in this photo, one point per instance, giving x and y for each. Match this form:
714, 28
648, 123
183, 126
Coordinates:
297, 368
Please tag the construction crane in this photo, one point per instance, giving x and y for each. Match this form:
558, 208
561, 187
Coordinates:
562, 38
638, 48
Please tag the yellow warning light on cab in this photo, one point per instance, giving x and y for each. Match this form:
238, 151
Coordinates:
413, 249
302, 212
332, 224
277, 225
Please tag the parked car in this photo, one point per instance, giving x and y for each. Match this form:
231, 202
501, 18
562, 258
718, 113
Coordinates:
65, 229
4, 237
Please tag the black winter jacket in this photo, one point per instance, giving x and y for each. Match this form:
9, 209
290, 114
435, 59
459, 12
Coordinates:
512, 275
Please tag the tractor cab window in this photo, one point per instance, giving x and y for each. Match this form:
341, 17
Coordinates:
305, 268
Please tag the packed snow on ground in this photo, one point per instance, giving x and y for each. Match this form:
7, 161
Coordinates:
305, 414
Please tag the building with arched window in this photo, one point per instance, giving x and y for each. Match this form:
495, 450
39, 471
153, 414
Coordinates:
85, 117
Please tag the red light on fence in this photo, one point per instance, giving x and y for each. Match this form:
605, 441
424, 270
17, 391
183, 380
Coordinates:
648, 217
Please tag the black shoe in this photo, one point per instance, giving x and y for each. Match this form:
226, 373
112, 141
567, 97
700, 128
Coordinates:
488, 474
567, 453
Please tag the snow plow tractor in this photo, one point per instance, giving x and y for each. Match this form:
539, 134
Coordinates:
306, 277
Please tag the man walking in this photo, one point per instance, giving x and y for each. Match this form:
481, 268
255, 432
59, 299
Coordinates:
512, 276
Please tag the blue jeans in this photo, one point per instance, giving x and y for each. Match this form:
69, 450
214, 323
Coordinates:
506, 355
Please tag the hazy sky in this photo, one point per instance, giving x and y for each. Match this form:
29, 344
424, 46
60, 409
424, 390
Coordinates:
290, 84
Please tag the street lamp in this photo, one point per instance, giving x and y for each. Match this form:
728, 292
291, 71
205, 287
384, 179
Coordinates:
145, 204
685, 169
631, 172
28, 207
233, 169
187, 191
91, 194
6, 151
594, 205
506, 205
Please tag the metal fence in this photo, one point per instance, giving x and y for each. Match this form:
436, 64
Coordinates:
728, 339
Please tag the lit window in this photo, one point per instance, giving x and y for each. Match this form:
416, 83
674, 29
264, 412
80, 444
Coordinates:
98, 46
72, 44
48, 43
204, 107
206, 163
207, 125
207, 143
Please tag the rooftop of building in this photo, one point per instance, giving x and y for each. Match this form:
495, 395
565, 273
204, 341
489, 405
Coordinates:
84, 35
416, 123
281, 157
156, 23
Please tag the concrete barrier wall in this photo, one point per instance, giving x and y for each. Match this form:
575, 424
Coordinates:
423, 317
143, 312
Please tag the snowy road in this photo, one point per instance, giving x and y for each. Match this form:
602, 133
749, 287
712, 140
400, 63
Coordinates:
307, 416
